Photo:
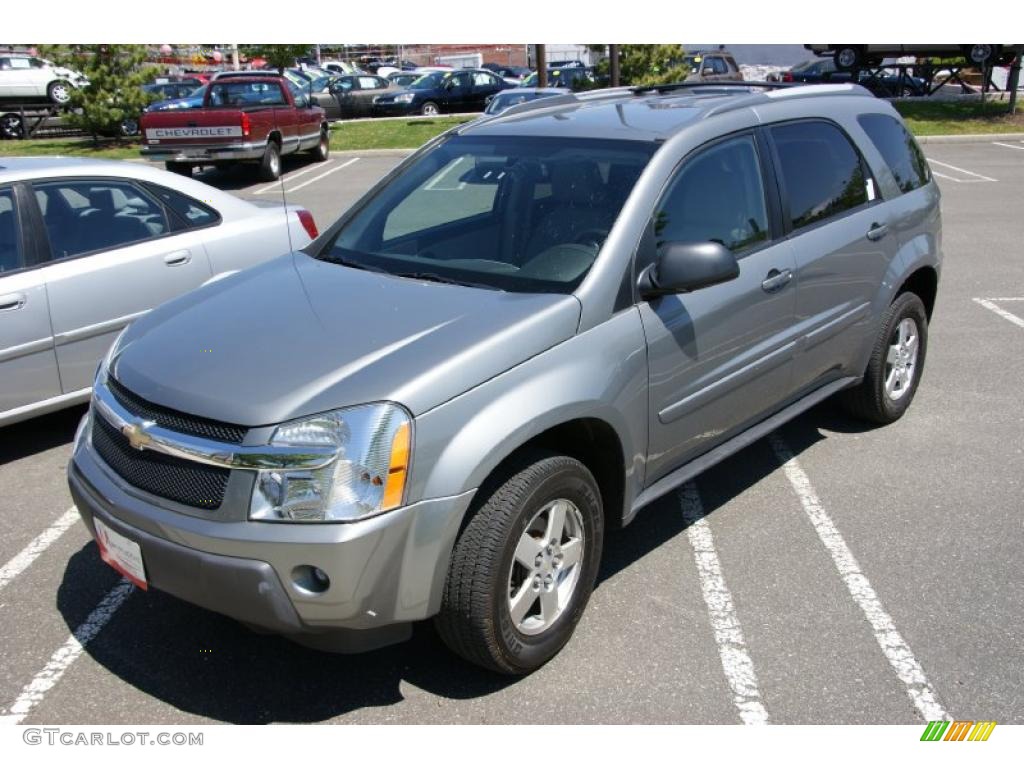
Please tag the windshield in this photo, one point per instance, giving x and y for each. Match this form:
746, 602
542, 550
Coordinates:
530, 80
320, 84
525, 214
429, 80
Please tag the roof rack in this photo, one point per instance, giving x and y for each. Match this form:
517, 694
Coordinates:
669, 87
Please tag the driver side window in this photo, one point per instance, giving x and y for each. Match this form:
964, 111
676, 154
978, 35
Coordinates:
716, 196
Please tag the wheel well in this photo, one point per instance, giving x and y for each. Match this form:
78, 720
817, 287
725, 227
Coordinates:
925, 283
275, 137
595, 444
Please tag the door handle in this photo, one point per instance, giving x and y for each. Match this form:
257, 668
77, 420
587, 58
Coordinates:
877, 231
178, 258
12, 301
776, 280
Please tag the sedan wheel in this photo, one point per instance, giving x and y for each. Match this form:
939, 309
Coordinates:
59, 92
430, 109
11, 127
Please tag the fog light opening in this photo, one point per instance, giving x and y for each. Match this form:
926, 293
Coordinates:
309, 578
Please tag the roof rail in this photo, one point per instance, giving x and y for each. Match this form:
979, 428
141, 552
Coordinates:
796, 91
725, 84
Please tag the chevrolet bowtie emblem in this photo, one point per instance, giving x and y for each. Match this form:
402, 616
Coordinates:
137, 434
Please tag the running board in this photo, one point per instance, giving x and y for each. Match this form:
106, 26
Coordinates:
733, 445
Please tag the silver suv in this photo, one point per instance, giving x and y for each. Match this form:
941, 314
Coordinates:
536, 325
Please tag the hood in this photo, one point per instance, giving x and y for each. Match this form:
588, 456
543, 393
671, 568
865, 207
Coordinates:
297, 336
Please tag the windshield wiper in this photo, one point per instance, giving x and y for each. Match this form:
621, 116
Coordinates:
435, 278
353, 264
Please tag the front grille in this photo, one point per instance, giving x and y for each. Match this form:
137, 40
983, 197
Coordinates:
176, 421
197, 485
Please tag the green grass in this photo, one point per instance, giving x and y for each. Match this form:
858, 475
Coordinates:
390, 134
935, 118
925, 118
112, 148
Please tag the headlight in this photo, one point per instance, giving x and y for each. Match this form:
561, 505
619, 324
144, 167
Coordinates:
373, 444
405, 98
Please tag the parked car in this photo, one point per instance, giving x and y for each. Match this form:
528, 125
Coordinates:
576, 79
172, 90
462, 90
514, 96
338, 67
856, 56
193, 100
350, 96
86, 246
30, 78
712, 66
884, 85
254, 119
505, 351
512, 75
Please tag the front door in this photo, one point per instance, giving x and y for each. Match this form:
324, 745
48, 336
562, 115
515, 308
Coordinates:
720, 357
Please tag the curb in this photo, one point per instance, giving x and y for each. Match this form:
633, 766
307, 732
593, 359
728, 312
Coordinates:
969, 138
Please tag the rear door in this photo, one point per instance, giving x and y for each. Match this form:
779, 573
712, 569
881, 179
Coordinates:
28, 364
114, 254
838, 227
485, 84
719, 358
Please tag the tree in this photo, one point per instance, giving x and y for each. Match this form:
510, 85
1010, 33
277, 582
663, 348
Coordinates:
278, 57
116, 75
648, 64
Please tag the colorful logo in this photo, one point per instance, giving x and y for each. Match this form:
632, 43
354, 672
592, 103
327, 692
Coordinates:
958, 730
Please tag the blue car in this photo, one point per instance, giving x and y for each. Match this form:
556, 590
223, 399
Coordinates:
461, 90
193, 101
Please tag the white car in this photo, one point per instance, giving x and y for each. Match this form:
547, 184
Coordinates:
87, 246
30, 78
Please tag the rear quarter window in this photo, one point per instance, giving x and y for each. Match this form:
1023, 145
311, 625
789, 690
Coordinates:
899, 150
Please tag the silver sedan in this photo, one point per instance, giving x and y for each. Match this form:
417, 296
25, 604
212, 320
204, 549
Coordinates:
86, 246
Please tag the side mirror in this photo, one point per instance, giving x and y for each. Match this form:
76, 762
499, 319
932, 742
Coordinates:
684, 267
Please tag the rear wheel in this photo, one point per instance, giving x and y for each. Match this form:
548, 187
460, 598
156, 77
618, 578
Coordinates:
847, 57
183, 168
894, 369
270, 165
524, 566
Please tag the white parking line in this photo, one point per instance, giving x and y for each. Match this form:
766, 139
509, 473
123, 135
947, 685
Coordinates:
889, 639
991, 305
732, 649
317, 178
961, 170
65, 656
1009, 146
276, 185
36, 547
958, 181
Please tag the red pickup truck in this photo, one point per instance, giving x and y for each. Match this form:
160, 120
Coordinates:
243, 119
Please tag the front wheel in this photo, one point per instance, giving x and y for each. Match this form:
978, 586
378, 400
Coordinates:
524, 566
847, 57
894, 369
11, 126
59, 92
430, 109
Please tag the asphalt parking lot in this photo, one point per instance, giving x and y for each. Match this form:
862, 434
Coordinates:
829, 574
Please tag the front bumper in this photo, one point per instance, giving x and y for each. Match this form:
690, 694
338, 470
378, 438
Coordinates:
384, 572
396, 109
204, 153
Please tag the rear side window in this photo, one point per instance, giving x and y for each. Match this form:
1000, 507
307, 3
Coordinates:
822, 172
898, 148
10, 247
193, 213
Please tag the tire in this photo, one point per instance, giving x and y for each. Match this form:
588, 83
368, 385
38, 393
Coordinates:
322, 150
872, 400
847, 57
512, 511
59, 92
270, 165
430, 109
183, 168
129, 127
981, 53
11, 126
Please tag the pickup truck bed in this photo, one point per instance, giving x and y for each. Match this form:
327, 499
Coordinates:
243, 119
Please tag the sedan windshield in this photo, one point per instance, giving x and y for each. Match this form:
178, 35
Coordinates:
429, 80
522, 214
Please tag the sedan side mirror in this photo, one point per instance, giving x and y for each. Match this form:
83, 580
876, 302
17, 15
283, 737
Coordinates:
684, 267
